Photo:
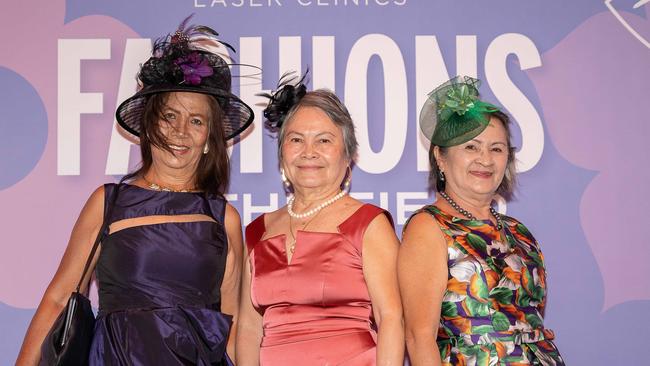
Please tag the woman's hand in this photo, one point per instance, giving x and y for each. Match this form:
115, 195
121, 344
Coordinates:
380, 249
66, 277
230, 286
422, 272
249, 332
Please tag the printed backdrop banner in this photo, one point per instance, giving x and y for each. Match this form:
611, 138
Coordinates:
573, 75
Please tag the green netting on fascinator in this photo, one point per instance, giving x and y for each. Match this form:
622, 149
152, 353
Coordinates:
454, 114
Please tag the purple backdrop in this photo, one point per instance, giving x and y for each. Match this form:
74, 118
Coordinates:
574, 76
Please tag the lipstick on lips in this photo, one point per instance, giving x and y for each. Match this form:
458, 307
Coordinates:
481, 174
179, 149
309, 167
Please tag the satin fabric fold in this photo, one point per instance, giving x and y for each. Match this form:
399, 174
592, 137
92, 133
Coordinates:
316, 309
159, 285
164, 336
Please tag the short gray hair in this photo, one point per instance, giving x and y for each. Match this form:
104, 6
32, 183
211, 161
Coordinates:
328, 102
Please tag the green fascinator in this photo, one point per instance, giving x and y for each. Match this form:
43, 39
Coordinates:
454, 114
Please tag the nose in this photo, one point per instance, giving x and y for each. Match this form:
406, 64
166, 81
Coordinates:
309, 152
485, 158
180, 127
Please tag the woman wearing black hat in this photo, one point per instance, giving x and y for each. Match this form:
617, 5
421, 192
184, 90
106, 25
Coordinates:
170, 259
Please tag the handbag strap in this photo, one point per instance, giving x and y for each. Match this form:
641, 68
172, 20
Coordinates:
100, 234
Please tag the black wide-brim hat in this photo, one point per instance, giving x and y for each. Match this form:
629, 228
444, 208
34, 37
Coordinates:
237, 115
183, 62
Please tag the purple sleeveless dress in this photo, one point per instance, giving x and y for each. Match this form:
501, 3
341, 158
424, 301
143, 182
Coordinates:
159, 284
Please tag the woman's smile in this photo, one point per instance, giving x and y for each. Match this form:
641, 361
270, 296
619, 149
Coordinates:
481, 174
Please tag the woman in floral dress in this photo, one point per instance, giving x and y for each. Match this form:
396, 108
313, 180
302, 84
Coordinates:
472, 276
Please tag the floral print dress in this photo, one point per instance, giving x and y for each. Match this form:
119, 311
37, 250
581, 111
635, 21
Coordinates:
492, 310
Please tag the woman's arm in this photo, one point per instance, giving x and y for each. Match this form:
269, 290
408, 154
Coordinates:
422, 272
232, 275
380, 248
249, 333
66, 277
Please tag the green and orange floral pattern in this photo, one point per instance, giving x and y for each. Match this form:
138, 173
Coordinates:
492, 310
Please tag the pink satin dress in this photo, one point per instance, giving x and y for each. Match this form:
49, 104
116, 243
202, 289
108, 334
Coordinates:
316, 310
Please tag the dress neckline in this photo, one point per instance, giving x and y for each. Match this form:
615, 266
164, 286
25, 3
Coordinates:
337, 232
160, 191
455, 218
289, 261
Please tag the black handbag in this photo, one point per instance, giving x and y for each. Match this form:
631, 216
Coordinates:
68, 341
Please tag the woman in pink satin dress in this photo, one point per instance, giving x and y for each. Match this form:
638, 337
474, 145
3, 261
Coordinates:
319, 283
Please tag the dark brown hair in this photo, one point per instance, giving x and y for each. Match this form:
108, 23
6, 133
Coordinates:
213, 171
508, 184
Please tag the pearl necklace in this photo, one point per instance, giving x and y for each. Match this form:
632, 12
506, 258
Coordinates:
157, 187
467, 214
313, 210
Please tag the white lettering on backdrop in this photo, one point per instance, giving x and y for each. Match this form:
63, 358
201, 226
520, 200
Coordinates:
430, 71
71, 102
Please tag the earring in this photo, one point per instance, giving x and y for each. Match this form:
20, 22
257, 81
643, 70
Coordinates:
348, 180
205, 149
442, 176
285, 181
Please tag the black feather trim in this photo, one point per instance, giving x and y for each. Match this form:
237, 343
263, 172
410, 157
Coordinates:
286, 96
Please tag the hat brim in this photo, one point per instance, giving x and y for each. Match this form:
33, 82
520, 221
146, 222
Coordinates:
456, 129
237, 114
